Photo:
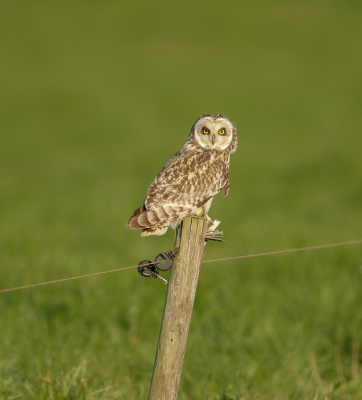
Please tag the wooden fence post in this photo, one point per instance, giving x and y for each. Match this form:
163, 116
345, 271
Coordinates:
190, 237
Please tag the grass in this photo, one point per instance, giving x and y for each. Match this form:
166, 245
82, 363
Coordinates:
95, 97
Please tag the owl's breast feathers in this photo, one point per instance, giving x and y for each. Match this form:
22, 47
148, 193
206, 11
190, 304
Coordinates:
186, 182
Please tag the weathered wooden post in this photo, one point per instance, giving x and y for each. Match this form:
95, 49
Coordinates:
190, 238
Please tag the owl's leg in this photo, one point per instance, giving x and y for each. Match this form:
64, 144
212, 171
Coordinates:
212, 233
202, 211
209, 219
207, 205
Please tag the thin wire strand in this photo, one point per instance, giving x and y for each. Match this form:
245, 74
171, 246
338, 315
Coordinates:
321, 246
73, 277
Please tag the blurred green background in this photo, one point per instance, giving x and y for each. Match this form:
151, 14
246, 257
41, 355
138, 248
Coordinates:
94, 98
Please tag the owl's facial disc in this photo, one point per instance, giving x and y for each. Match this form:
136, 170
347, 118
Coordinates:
214, 133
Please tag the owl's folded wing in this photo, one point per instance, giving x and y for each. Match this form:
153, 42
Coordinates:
188, 180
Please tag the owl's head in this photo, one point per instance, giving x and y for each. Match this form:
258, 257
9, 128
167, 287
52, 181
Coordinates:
214, 132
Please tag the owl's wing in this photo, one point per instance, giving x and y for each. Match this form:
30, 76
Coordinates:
187, 180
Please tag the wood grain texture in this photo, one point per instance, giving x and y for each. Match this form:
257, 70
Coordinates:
190, 237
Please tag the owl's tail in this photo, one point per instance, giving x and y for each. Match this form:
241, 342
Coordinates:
156, 221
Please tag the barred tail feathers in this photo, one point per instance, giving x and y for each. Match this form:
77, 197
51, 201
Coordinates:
156, 220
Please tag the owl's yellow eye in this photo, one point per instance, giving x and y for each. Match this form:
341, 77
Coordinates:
221, 131
205, 131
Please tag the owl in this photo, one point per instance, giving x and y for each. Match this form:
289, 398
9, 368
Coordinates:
188, 182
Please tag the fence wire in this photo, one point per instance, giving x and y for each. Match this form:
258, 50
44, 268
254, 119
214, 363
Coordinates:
321, 246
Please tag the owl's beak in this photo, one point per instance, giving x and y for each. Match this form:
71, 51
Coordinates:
213, 139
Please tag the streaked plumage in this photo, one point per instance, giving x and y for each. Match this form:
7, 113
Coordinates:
190, 179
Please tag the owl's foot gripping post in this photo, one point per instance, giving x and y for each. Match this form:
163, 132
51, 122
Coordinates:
212, 233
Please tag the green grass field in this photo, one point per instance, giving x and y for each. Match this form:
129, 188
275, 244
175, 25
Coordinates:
94, 98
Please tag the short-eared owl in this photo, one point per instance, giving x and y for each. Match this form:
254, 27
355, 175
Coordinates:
190, 179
